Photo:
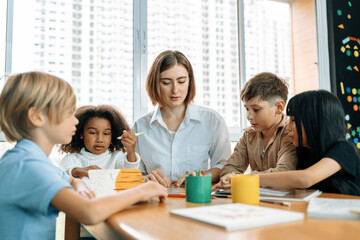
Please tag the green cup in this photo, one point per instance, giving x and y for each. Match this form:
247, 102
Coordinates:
198, 189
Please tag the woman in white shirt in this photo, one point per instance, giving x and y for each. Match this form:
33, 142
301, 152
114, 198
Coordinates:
180, 136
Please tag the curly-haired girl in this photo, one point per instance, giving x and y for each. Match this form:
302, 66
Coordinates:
95, 144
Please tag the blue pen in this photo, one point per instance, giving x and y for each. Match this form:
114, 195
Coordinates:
136, 134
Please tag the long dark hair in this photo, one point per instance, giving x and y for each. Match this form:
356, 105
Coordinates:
323, 118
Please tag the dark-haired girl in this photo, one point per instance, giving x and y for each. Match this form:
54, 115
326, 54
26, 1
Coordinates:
95, 144
327, 161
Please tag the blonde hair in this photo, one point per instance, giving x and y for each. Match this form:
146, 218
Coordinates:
46, 93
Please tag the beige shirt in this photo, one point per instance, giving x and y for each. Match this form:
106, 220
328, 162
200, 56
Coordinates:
279, 155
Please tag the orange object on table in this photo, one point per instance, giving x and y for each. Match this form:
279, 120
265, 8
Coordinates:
128, 178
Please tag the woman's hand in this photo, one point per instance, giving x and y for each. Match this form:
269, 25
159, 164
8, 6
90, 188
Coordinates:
159, 177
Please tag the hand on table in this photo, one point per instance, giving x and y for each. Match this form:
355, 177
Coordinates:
225, 182
81, 188
159, 177
152, 189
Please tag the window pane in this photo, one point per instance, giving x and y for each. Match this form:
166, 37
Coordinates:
2, 40
88, 43
207, 33
267, 38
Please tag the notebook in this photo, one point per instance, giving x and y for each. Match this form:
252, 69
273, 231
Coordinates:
280, 194
334, 208
237, 216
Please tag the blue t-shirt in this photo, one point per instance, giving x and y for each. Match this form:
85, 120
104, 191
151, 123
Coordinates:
28, 183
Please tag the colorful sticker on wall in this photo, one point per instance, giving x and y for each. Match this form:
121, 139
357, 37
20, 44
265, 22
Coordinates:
348, 46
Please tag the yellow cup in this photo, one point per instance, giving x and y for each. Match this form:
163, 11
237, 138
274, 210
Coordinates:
245, 189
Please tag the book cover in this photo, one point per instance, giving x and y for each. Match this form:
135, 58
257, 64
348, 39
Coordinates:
238, 216
334, 208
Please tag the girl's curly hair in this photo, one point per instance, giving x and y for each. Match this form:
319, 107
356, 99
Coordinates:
84, 114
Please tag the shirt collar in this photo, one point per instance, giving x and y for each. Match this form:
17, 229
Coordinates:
156, 115
191, 114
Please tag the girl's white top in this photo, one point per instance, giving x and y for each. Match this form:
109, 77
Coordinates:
106, 160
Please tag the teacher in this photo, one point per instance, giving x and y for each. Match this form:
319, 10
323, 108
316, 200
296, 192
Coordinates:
180, 136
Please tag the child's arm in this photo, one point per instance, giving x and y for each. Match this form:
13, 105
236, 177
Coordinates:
82, 172
301, 178
81, 188
96, 210
128, 139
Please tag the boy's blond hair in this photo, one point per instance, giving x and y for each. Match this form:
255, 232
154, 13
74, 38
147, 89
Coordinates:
268, 86
46, 93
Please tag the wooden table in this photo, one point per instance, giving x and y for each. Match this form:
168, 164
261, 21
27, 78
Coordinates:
152, 220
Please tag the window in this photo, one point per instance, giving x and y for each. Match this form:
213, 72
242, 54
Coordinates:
2, 39
107, 54
90, 43
267, 38
190, 31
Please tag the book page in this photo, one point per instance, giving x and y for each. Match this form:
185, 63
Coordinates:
102, 181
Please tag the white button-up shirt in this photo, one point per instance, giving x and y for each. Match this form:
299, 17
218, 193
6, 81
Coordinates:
202, 141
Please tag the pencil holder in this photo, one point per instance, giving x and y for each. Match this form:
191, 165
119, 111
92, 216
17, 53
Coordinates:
245, 189
198, 189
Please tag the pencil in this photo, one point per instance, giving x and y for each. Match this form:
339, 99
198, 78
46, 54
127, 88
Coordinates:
136, 134
276, 202
181, 195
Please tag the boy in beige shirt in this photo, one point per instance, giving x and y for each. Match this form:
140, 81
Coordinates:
265, 145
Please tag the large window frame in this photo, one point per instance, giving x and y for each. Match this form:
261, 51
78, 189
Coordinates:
140, 47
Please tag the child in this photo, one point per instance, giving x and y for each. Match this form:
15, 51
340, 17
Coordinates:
36, 110
265, 144
327, 161
95, 144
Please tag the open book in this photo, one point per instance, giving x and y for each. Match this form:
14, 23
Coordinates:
334, 208
280, 194
238, 216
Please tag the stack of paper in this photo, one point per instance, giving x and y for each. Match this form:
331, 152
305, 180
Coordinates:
280, 194
334, 208
288, 194
128, 178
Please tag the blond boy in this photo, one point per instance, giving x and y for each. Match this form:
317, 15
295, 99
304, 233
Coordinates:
265, 145
37, 112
